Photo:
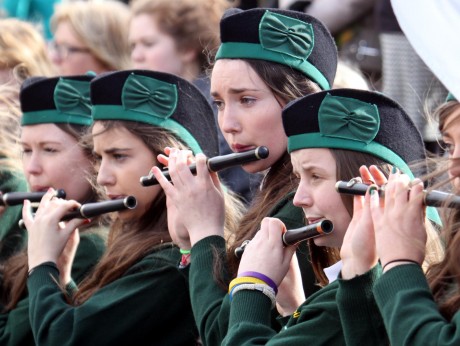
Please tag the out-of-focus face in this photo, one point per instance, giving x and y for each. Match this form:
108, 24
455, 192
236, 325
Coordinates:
122, 159
52, 158
70, 55
249, 114
152, 49
451, 138
316, 193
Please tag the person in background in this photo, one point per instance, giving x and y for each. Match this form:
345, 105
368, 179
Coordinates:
90, 36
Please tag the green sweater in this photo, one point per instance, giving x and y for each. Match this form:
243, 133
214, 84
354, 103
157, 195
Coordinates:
12, 237
15, 327
361, 320
316, 321
210, 301
410, 314
148, 305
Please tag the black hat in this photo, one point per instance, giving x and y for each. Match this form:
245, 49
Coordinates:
290, 38
56, 100
357, 120
159, 99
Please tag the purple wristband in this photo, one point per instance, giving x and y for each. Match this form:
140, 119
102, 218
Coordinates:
262, 277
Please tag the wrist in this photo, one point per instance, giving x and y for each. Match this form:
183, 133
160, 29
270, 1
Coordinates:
386, 266
197, 235
37, 261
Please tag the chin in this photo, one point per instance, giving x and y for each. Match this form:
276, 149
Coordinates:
325, 240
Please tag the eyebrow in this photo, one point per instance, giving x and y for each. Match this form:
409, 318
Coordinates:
114, 150
41, 143
234, 91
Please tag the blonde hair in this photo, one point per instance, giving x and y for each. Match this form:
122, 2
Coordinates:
101, 26
9, 129
23, 50
193, 24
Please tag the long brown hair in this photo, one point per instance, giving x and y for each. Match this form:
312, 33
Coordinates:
286, 84
15, 268
444, 277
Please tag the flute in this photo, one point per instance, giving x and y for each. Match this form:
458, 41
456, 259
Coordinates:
217, 163
89, 210
15, 198
294, 236
432, 198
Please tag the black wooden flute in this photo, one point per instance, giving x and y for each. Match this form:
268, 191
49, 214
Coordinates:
432, 198
217, 163
294, 236
89, 210
15, 198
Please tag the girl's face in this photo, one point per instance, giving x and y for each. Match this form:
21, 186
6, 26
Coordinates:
70, 55
316, 193
451, 138
122, 159
52, 158
151, 49
249, 114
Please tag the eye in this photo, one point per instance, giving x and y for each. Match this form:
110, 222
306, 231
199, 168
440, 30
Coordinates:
219, 104
50, 150
119, 157
448, 147
26, 151
247, 100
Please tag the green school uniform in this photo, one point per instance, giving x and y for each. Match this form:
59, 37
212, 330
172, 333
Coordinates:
209, 300
148, 305
15, 327
316, 321
361, 320
410, 314
12, 237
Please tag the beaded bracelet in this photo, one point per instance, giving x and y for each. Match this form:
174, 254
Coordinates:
262, 277
185, 252
264, 288
400, 260
244, 280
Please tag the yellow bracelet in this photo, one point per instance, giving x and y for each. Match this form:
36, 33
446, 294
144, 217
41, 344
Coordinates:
244, 280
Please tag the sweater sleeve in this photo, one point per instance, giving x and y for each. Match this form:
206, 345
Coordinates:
316, 321
410, 314
150, 303
209, 300
15, 326
359, 314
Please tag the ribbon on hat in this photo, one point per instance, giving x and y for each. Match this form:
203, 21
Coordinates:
72, 97
150, 96
348, 118
286, 35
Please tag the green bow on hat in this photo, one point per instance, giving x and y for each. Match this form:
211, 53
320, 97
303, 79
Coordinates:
72, 97
73, 105
150, 96
286, 35
348, 118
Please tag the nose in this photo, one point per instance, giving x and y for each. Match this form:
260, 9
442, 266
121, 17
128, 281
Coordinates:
32, 164
302, 197
137, 54
229, 120
454, 162
105, 176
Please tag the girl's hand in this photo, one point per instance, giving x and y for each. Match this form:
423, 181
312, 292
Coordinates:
198, 199
47, 236
358, 251
399, 221
290, 292
266, 253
